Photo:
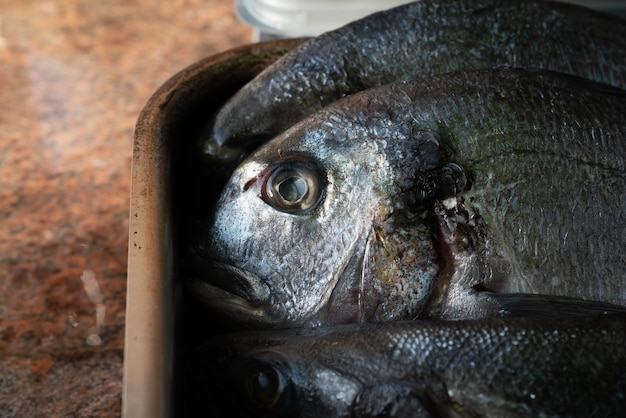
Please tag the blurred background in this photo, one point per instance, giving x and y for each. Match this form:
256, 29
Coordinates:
74, 75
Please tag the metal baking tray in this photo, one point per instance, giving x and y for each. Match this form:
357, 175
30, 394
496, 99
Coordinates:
166, 135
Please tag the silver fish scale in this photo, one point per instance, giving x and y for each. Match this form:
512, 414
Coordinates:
546, 250
448, 351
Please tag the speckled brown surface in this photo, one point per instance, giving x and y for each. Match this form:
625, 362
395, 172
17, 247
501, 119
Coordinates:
73, 77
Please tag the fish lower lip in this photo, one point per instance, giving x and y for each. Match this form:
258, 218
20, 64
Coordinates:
227, 281
234, 309
239, 297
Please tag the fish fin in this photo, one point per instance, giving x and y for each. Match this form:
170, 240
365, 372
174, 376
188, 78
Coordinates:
521, 304
583, 83
401, 399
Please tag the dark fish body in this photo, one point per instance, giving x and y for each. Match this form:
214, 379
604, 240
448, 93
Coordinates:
472, 368
431, 195
422, 38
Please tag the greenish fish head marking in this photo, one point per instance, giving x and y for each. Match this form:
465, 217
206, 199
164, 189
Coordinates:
309, 228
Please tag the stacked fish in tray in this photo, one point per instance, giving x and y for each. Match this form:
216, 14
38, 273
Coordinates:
428, 221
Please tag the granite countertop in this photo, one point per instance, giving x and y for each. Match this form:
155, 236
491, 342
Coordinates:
74, 75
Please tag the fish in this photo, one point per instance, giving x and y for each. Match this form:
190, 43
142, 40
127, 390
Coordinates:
421, 38
460, 195
492, 367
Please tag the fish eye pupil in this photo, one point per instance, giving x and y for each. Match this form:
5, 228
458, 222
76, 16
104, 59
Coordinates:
293, 189
264, 387
296, 186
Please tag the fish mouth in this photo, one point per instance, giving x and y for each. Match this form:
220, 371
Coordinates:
233, 293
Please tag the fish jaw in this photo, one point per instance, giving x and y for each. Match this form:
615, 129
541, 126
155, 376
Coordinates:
245, 300
236, 294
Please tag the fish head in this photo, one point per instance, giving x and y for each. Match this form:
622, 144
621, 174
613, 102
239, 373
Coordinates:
259, 376
327, 222
267, 383
291, 222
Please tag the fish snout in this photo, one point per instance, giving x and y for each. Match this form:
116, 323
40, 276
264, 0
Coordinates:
231, 292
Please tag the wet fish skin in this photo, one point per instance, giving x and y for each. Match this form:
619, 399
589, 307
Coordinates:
558, 367
422, 38
541, 211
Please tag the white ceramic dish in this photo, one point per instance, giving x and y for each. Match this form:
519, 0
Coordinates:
293, 18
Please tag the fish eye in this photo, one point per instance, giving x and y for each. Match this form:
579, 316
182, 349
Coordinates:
293, 186
266, 388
